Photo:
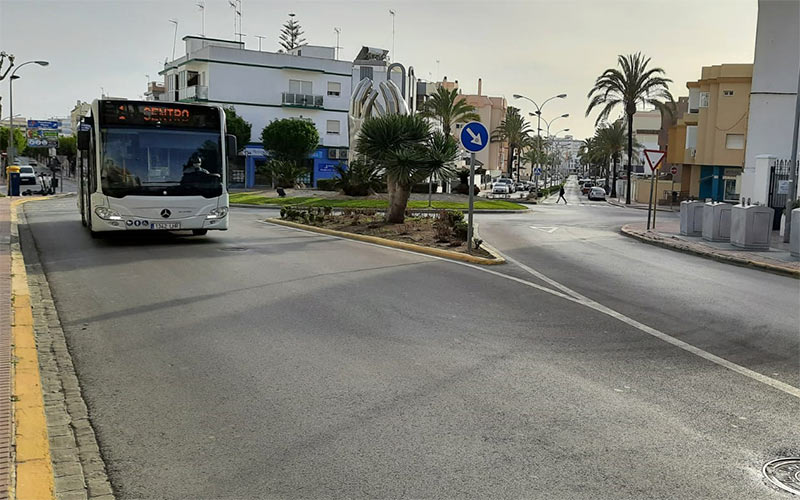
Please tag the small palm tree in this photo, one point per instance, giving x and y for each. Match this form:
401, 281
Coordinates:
445, 107
629, 86
397, 144
515, 131
442, 151
612, 143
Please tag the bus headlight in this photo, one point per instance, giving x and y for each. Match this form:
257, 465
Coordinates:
107, 214
217, 213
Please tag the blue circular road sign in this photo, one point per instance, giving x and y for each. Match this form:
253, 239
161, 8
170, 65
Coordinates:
474, 137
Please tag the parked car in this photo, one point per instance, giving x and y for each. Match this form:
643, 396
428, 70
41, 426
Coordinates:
587, 186
597, 193
508, 182
27, 175
500, 188
520, 186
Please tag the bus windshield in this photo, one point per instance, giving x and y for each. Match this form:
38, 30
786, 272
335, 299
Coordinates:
147, 161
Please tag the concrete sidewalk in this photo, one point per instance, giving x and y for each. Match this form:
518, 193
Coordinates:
667, 234
642, 206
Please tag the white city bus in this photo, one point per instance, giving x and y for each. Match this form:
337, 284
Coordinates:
153, 166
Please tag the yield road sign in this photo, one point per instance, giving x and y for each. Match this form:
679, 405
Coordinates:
474, 136
654, 158
673, 170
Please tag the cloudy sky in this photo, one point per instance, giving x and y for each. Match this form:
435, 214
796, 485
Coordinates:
533, 47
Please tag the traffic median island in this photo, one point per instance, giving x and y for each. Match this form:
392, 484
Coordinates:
257, 199
426, 235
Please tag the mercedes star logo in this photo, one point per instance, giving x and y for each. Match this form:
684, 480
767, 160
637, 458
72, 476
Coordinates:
165, 213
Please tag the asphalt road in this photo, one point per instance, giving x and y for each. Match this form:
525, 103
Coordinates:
269, 362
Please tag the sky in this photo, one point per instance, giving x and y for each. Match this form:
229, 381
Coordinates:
535, 48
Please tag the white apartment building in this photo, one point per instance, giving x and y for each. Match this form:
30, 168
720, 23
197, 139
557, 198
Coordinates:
568, 149
773, 94
264, 86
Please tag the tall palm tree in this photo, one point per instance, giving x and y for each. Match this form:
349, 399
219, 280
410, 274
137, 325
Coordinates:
445, 107
612, 142
629, 86
515, 131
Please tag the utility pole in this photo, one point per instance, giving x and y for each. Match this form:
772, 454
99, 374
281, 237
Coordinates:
202, 5
175, 37
793, 165
393, 58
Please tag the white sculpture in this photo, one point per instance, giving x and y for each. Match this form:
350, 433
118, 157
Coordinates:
366, 102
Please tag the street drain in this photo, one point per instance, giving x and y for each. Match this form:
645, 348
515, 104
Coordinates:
784, 473
233, 249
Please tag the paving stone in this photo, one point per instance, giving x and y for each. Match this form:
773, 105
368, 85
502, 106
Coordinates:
69, 483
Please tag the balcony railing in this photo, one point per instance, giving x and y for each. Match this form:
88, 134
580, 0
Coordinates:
195, 93
301, 100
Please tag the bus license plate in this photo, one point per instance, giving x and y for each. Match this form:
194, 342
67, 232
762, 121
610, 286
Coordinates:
165, 225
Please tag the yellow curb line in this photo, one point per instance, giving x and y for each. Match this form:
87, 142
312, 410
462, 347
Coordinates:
32, 464
438, 252
765, 266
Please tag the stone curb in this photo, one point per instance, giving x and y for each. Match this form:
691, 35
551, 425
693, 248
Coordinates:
78, 470
437, 252
727, 259
419, 211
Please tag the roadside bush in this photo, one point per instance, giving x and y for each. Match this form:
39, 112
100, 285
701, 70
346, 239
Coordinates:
361, 178
460, 230
449, 225
464, 189
326, 184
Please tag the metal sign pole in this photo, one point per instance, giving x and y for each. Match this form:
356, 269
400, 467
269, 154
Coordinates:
655, 199
471, 200
650, 201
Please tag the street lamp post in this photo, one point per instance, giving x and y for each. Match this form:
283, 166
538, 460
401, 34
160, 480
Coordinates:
539, 123
11, 145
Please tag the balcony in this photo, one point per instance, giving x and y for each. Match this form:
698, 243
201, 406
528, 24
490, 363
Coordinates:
301, 100
193, 93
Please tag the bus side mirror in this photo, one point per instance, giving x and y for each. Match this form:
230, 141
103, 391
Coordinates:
83, 140
230, 145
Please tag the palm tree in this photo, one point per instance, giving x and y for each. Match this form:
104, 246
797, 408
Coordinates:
612, 142
634, 83
514, 130
404, 147
445, 107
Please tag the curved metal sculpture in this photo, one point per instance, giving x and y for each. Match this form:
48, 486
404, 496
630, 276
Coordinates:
367, 102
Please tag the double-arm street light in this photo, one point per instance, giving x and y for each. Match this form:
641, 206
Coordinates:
565, 115
11, 145
539, 114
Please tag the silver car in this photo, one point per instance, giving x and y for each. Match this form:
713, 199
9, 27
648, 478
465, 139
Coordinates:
597, 193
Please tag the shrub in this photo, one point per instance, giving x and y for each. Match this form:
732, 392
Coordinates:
326, 184
460, 230
464, 189
359, 179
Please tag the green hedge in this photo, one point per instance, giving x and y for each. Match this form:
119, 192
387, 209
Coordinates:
422, 187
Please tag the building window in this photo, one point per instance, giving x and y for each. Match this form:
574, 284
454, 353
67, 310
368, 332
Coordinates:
734, 141
704, 99
366, 72
300, 87
334, 89
727, 93
333, 126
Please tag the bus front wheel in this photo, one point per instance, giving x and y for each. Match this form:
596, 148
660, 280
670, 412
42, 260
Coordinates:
199, 232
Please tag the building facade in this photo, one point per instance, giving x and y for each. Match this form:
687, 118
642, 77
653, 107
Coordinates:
307, 83
492, 111
708, 142
773, 94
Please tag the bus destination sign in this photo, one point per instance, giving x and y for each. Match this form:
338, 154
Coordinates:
160, 115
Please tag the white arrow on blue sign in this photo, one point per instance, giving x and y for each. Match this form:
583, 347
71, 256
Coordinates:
474, 137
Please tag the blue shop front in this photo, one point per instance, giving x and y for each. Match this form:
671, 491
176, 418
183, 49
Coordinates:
322, 164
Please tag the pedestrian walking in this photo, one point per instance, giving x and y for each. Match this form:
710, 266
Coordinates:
561, 196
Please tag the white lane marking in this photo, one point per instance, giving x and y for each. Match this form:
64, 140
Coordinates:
577, 298
546, 229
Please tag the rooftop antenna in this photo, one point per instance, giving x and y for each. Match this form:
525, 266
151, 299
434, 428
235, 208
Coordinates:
175, 37
338, 32
240, 36
259, 41
202, 5
391, 13
237, 17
